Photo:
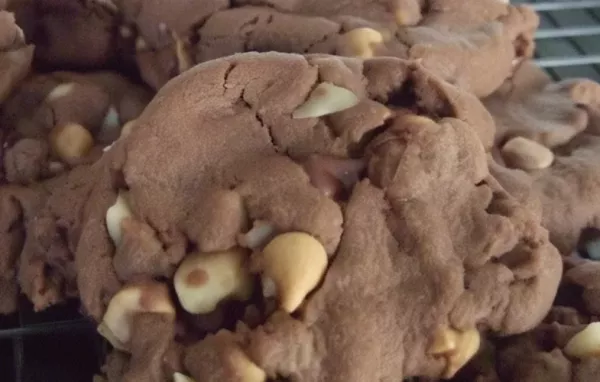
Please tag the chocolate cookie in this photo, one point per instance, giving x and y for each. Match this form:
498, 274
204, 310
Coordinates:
317, 218
159, 30
15, 54
15, 62
63, 119
454, 39
562, 349
547, 139
52, 123
70, 34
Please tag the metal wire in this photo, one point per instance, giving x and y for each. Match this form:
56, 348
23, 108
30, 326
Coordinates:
58, 327
568, 61
562, 46
568, 32
27, 328
544, 6
562, 5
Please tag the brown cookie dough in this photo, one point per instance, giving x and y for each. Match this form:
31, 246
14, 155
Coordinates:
70, 34
62, 119
27, 161
12, 234
458, 13
160, 30
473, 44
54, 122
48, 270
549, 353
532, 106
551, 131
15, 54
422, 247
581, 287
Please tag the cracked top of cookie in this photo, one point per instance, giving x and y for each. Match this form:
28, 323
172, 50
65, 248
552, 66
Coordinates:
311, 215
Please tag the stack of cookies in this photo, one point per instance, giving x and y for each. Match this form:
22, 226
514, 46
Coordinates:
181, 168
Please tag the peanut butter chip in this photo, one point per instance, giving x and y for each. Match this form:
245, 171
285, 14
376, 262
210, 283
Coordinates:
197, 277
526, 154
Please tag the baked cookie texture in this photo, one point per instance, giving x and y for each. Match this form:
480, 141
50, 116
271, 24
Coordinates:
545, 148
342, 157
560, 123
15, 54
562, 348
47, 109
71, 34
454, 39
276, 216
56, 125
15, 63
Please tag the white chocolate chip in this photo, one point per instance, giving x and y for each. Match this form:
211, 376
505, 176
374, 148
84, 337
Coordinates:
115, 216
140, 44
467, 345
526, 154
203, 280
108, 4
258, 235
144, 298
269, 288
184, 61
71, 141
360, 41
457, 347
125, 131
415, 119
178, 377
586, 343
56, 167
407, 13
444, 342
295, 262
326, 99
127, 128
60, 91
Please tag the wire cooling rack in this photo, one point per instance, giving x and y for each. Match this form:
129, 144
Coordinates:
568, 41
52, 346
58, 345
